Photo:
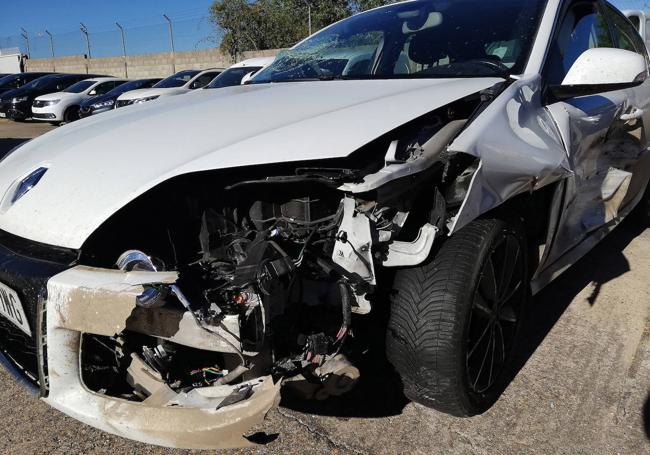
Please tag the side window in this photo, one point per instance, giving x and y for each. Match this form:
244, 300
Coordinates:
625, 35
104, 88
204, 80
582, 28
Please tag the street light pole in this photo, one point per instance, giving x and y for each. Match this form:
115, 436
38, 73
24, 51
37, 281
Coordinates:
84, 30
52, 50
25, 36
171, 41
126, 69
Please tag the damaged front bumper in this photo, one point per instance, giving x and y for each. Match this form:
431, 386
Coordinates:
84, 300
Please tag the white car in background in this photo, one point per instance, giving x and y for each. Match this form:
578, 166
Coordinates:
177, 84
64, 106
241, 72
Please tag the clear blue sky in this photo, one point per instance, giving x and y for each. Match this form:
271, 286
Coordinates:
146, 30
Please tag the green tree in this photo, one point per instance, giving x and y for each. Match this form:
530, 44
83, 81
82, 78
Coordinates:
246, 25
363, 5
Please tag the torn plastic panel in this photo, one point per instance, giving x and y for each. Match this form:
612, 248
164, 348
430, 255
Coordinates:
519, 146
86, 300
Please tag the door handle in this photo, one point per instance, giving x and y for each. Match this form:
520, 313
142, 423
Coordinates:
634, 114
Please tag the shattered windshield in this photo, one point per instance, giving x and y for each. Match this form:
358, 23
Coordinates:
422, 38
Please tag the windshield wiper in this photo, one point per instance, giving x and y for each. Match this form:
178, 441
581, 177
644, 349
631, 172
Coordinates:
310, 79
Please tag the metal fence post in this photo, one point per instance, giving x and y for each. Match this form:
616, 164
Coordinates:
171, 41
52, 50
25, 36
126, 68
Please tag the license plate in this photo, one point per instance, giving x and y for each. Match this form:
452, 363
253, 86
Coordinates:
2, 115
12, 309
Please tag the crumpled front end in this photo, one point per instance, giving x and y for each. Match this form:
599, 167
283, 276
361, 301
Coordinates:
85, 304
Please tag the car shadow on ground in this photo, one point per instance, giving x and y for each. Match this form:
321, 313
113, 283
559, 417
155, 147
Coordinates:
603, 264
378, 394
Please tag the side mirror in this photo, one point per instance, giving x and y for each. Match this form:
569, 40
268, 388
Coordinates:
247, 77
601, 70
92, 92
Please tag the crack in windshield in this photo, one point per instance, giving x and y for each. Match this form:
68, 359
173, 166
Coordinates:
418, 39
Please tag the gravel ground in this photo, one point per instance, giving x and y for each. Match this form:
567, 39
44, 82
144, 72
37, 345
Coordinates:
583, 382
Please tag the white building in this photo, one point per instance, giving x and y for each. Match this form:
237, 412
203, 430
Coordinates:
10, 60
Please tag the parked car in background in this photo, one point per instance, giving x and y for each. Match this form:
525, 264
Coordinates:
641, 22
179, 83
240, 72
104, 103
14, 81
17, 104
64, 106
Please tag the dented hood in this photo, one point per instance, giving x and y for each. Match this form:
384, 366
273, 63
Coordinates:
99, 164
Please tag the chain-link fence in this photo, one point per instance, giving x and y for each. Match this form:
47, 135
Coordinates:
190, 31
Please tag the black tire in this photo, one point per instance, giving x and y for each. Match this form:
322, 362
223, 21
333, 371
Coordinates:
437, 317
71, 114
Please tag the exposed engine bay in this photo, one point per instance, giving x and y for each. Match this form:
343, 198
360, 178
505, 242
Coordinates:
282, 263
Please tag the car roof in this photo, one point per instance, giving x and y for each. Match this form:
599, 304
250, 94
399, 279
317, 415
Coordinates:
209, 70
106, 79
257, 61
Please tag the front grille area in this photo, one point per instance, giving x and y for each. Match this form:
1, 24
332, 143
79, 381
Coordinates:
26, 267
44, 116
20, 349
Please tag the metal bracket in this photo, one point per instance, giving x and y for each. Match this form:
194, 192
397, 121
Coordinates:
409, 254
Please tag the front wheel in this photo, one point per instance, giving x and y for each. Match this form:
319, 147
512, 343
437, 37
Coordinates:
454, 320
71, 114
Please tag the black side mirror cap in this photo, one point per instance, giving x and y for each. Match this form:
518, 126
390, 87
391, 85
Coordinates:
557, 93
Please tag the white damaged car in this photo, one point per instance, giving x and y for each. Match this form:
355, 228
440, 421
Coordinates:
166, 268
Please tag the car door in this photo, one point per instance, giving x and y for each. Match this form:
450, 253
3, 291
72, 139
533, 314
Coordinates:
604, 134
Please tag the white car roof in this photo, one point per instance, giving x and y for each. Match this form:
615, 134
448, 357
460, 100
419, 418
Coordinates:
258, 61
106, 79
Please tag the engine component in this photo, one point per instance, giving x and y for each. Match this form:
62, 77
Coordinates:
335, 377
353, 249
153, 296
